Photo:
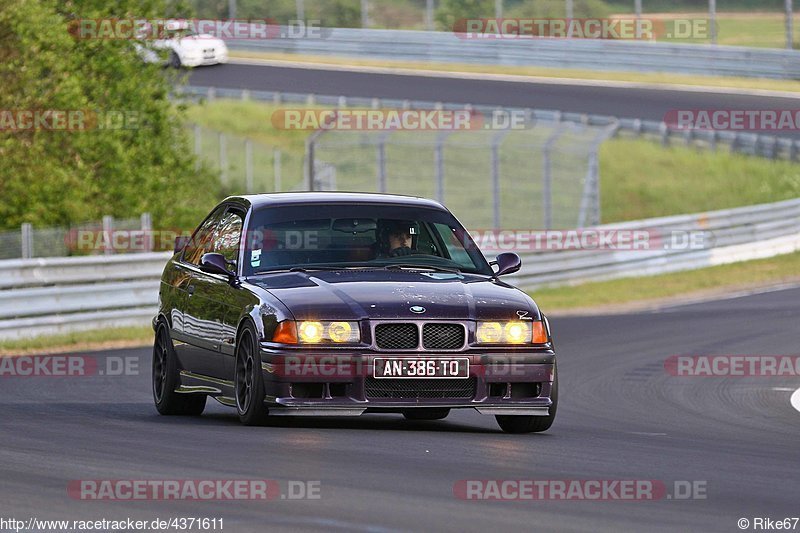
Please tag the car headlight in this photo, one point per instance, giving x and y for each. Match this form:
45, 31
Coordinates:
317, 332
514, 332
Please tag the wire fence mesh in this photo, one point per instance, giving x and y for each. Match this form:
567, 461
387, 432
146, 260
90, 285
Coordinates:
536, 177
89, 238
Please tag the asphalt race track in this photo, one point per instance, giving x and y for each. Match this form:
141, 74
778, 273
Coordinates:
622, 417
646, 104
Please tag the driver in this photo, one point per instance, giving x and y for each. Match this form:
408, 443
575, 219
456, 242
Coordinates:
397, 237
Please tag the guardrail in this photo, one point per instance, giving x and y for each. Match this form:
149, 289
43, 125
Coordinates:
605, 55
731, 235
48, 296
54, 295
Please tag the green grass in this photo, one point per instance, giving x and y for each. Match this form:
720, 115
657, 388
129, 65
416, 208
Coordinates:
755, 29
704, 281
642, 179
80, 340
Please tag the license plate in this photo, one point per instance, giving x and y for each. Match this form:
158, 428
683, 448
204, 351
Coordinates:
208, 54
397, 367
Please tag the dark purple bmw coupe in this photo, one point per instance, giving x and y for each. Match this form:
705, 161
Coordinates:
337, 304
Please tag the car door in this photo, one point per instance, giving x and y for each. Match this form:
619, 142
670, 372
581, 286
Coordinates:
231, 299
198, 346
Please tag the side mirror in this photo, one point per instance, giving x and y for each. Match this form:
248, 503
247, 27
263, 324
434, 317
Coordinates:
507, 263
180, 242
215, 264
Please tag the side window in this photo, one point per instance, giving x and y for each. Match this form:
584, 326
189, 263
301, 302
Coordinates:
228, 235
203, 238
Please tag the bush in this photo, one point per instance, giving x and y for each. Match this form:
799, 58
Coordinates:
55, 178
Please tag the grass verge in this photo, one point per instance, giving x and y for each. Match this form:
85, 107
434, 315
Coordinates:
633, 293
80, 341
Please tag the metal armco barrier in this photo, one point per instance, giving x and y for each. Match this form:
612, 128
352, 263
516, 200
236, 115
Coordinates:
606, 55
54, 295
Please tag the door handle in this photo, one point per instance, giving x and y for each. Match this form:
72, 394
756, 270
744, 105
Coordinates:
190, 289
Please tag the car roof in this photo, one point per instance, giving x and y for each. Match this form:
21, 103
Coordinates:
326, 197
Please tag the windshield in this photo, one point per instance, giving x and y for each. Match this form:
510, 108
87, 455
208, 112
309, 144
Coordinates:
358, 236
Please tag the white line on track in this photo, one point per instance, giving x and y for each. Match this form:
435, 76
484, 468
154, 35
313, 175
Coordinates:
400, 71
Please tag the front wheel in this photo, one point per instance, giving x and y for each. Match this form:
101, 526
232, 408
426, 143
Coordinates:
248, 380
531, 424
175, 60
166, 379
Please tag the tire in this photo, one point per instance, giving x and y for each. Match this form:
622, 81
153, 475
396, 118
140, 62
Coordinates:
248, 381
174, 60
426, 413
531, 424
166, 379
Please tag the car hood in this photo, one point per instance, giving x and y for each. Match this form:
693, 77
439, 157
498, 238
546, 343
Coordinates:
355, 295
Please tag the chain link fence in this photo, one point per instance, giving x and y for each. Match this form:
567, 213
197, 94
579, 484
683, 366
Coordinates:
542, 176
245, 165
78, 239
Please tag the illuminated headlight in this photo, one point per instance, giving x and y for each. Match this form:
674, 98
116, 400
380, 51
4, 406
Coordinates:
313, 332
515, 332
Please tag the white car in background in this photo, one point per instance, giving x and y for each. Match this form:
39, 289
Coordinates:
185, 47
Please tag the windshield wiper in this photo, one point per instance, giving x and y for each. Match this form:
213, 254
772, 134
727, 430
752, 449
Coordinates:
400, 266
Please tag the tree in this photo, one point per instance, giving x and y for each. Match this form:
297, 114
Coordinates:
130, 153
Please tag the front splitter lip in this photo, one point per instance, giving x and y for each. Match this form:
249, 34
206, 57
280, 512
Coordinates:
359, 408
294, 403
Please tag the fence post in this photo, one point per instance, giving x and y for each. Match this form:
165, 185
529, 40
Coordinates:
438, 157
365, 14
197, 147
108, 228
789, 25
382, 163
495, 164
147, 229
712, 22
27, 240
547, 177
223, 158
429, 15
276, 169
248, 165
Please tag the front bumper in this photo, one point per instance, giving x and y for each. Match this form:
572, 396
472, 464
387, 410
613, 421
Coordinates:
342, 384
201, 61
